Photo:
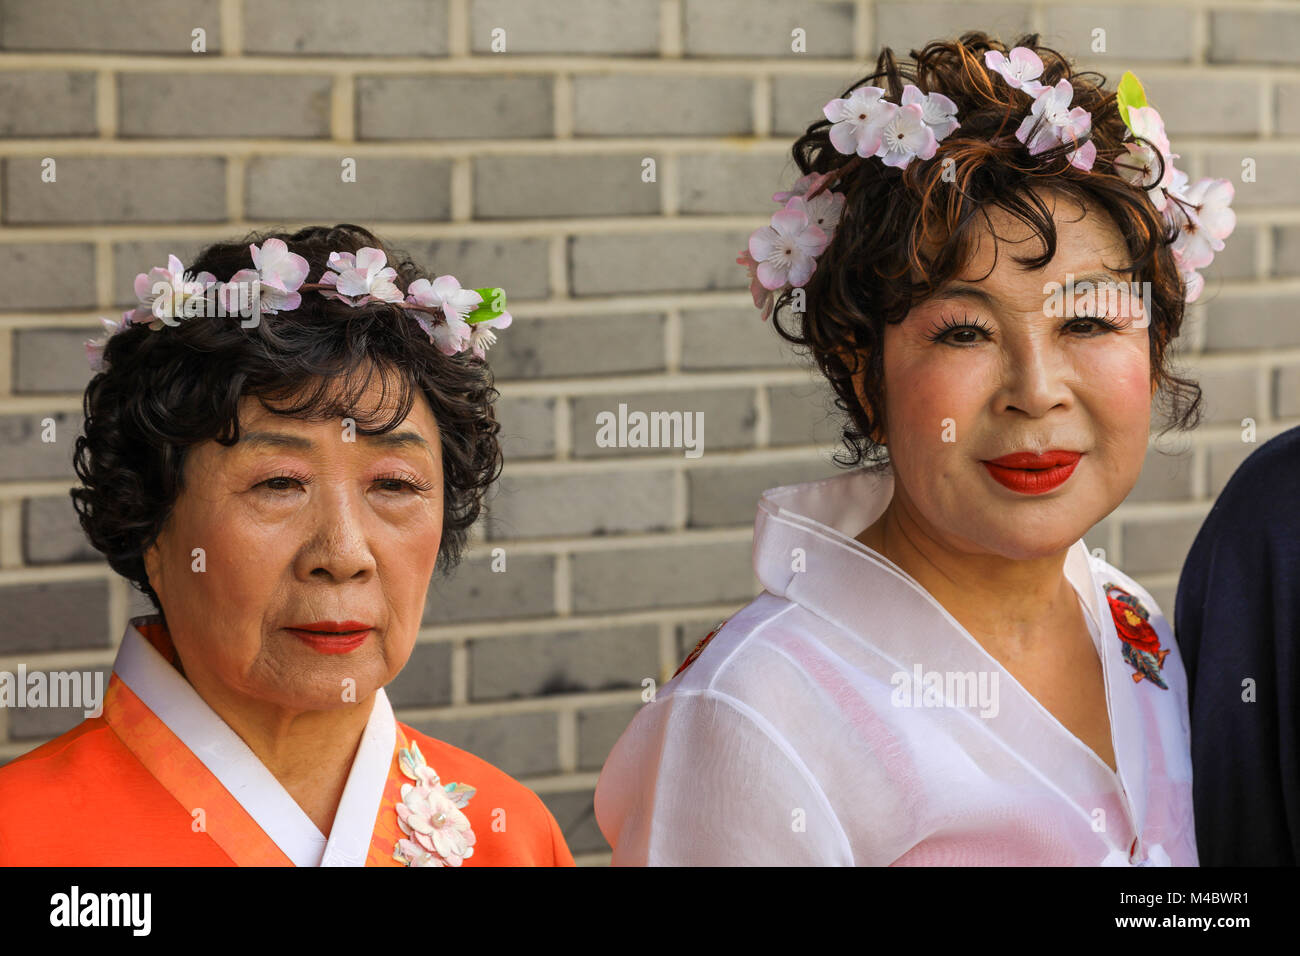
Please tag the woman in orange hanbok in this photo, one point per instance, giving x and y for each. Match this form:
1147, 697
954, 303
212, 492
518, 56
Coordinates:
279, 465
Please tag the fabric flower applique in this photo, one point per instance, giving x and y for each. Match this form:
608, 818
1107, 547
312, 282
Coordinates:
438, 833
361, 278
279, 274
1141, 642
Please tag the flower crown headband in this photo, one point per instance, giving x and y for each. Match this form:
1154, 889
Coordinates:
455, 319
783, 255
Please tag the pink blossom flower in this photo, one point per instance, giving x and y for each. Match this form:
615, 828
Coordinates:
444, 293
937, 110
804, 185
482, 337
280, 274
1207, 221
1142, 164
786, 249
156, 305
1021, 71
904, 136
857, 120
438, 833
1052, 122
763, 298
361, 278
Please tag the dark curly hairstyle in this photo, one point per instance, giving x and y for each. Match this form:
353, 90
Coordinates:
165, 391
900, 224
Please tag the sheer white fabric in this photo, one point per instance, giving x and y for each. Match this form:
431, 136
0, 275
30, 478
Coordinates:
790, 740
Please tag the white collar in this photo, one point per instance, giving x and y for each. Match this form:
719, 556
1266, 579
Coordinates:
178, 705
822, 519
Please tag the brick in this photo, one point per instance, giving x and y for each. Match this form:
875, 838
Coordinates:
663, 105
1224, 459
729, 421
1165, 477
728, 495
527, 425
1286, 250
1260, 322
683, 262
234, 104
1238, 257
598, 730
48, 275
1227, 107
903, 26
1254, 36
108, 189
30, 723
455, 107
1133, 32
1286, 108
564, 662
519, 744
577, 345
585, 27
733, 339
379, 28
51, 361
668, 576
54, 616
803, 414
425, 681
386, 189
517, 265
1286, 391
797, 102
1157, 544
538, 187
716, 183
738, 28
47, 103
584, 504
110, 26
526, 588
52, 533
576, 815
1230, 395
28, 457
1275, 181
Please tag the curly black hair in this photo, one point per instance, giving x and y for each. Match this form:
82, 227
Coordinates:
165, 391
921, 221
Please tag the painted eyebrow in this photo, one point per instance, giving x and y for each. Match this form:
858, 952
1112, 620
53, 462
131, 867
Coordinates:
406, 439
965, 290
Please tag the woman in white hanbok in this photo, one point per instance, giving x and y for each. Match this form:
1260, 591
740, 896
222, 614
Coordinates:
938, 671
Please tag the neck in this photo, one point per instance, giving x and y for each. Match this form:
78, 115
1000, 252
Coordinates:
310, 752
1011, 605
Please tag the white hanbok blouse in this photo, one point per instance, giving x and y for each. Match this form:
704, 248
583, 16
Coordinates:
844, 717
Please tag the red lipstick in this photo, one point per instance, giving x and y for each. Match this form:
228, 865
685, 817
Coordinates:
1032, 474
331, 637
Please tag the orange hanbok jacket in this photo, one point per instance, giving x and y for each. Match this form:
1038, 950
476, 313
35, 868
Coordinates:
160, 780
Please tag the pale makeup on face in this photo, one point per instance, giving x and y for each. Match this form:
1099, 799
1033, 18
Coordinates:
1023, 380
298, 525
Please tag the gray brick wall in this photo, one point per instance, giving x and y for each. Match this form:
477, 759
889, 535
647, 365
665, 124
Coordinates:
506, 140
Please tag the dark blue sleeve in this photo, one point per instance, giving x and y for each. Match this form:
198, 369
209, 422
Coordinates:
1237, 618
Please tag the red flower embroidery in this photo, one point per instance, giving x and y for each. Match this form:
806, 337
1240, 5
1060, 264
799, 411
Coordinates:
1141, 642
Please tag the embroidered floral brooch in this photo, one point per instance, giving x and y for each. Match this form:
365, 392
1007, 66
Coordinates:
429, 814
1141, 643
690, 658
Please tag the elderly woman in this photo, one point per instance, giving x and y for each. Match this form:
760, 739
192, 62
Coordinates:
281, 482
938, 671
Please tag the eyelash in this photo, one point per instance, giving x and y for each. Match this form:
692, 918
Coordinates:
407, 480
934, 335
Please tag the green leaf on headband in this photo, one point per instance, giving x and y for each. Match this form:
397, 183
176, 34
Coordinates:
494, 305
1129, 95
